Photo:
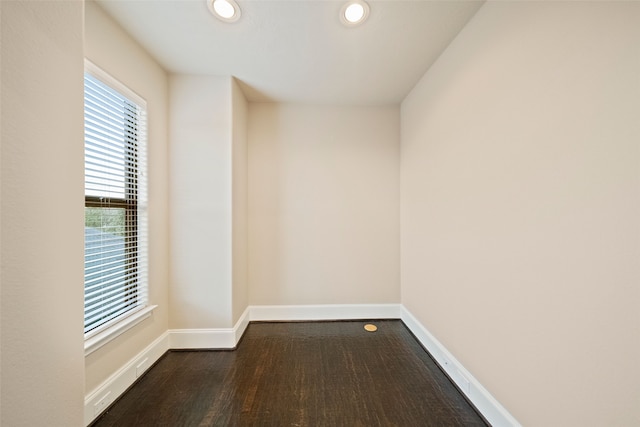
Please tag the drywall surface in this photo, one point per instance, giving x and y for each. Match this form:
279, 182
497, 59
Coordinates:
113, 50
323, 204
42, 367
520, 207
240, 189
201, 202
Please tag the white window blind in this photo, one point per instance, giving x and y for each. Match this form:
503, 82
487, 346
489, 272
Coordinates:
115, 272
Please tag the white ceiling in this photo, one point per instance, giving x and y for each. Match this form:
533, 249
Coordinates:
298, 50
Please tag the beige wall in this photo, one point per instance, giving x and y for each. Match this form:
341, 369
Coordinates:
201, 235
42, 214
109, 47
323, 204
521, 203
208, 202
240, 177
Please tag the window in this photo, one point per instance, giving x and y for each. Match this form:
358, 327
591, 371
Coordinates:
115, 266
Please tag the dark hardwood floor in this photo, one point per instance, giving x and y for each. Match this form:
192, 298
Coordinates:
298, 374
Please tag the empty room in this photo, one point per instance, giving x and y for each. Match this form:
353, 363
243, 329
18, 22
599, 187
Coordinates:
237, 179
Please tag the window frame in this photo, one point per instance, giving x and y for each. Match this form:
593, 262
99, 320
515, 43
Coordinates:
103, 333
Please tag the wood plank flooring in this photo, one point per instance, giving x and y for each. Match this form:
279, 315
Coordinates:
298, 374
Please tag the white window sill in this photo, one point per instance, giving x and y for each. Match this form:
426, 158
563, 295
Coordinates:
98, 340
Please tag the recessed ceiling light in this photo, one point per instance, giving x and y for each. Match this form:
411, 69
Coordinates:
224, 10
354, 13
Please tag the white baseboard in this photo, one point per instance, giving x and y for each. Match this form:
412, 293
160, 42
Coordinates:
99, 399
211, 339
488, 406
241, 325
324, 312
227, 338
